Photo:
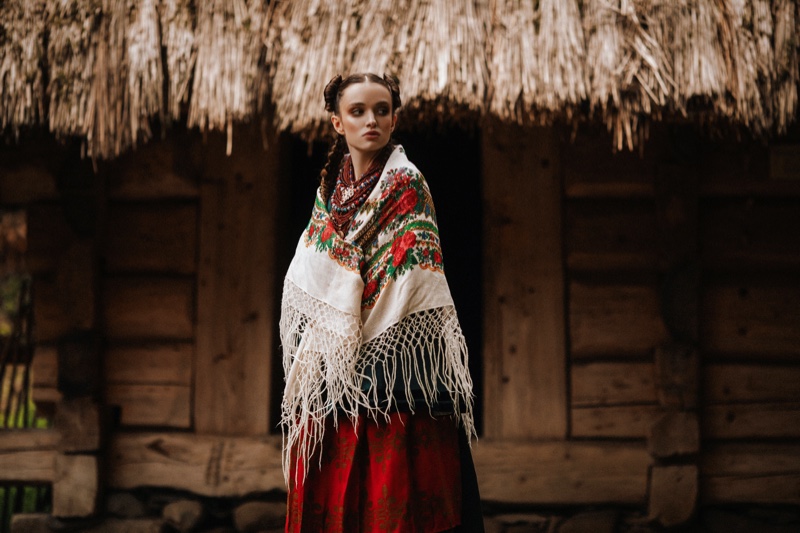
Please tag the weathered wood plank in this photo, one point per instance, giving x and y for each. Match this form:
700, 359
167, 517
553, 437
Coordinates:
26, 183
626, 421
769, 489
157, 170
723, 383
561, 472
747, 234
162, 364
748, 169
49, 236
673, 434
44, 367
752, 319
64, 298
614, 320
591, 170
14, 440
237, 288
44, 377
28, 455
154, 237
524, 339
596, 384
75, 486
27, 466
77, 420
152, 405
611, 235
513, 472
677, 374
673, 494
752, 420
150, 307
208, 465
752, 401
750, 473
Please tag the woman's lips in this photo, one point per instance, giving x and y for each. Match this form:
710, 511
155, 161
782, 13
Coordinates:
373, 134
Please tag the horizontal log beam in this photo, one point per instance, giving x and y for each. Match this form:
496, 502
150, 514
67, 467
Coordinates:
28, 455
207, 465
750, 473
515, 472
562, 472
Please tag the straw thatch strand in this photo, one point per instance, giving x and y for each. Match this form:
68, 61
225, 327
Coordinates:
700, 70
752, 62
70, 55
146, 73
309, 47
21, 50
513, 60
439, 54
227, 69
604, 51
177, 34
108, 108
633, 82
560, 45
786, 75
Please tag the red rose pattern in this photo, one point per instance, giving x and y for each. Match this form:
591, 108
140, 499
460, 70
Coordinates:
400, 248
327, 232
370, 288
407, 202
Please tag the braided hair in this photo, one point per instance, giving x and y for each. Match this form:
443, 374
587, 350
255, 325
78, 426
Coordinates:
333, 93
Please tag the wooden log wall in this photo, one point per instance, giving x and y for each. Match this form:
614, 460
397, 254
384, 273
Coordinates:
631, 299
60, 195
641, 320
155, 293
751, 322
149, 284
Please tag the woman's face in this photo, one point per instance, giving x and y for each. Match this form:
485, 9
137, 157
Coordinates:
365, 118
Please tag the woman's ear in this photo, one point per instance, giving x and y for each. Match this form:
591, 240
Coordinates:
337, 124
394, 121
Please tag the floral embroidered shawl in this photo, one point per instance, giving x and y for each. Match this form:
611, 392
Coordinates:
367, 320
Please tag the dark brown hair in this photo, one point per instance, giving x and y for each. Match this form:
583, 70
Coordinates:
333, 93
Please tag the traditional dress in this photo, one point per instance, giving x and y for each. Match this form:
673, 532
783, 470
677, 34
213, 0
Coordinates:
377, 407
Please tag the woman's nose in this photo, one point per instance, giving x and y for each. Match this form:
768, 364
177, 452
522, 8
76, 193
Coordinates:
371, 119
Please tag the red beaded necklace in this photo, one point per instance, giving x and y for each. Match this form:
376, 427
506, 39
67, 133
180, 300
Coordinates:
350, 194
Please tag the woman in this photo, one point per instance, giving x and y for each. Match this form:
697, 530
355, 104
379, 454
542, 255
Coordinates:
378, 399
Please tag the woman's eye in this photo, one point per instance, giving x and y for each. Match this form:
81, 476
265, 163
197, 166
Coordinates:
355, 112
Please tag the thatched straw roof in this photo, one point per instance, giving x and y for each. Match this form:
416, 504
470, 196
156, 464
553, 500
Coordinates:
107, 70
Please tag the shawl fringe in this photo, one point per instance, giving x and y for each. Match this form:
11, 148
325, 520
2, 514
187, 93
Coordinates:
423, 357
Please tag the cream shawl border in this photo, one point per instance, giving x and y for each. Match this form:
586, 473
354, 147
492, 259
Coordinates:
334, 339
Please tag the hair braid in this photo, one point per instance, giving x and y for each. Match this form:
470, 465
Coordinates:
330, 171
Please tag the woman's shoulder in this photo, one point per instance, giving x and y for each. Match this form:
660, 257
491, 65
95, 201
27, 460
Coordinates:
400, 168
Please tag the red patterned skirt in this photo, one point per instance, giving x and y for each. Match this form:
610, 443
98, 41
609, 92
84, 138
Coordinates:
403, 476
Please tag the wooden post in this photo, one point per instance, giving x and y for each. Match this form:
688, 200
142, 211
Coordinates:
524, 333
675, 435
236, 287
64, 244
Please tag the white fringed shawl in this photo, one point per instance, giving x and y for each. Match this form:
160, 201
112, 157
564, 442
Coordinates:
367, 315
